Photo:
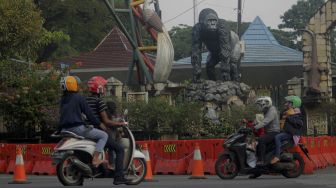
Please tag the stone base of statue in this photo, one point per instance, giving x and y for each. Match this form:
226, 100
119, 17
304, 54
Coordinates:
219, 92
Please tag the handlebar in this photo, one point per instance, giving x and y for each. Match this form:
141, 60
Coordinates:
245, 130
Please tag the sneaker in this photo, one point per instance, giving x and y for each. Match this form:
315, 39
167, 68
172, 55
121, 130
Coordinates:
121, 180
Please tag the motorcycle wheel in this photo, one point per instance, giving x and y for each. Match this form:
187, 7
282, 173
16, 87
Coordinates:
67, 174
299, 167
137, 171
226, 167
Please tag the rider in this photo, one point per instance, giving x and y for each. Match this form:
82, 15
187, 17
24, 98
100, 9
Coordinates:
96, 86
72, 106
270, 123
292, 127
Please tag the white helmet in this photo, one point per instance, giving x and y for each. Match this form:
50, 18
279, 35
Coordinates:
264, 102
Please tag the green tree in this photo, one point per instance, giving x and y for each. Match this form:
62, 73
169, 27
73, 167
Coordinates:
86, 23
21, 30
181, 38
298, 15
28, 97
285, 38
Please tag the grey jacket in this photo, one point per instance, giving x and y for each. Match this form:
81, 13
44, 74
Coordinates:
270, 122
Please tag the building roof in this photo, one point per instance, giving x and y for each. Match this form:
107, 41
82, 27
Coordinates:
261, 48
113, 51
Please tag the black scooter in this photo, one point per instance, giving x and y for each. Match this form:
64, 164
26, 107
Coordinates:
239, 158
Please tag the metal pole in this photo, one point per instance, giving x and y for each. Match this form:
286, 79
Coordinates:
195, 10
132, 42
239, 19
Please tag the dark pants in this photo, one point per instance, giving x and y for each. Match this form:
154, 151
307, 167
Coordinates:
278, 139
263, 142
112, 145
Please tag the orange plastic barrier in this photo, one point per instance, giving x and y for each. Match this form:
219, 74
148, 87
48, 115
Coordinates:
325, 149
171, 156
10, 168
209, 166
313, 150
173, 167
2, 152
151, 150
3, 166
333, 149
321, 156
44, 168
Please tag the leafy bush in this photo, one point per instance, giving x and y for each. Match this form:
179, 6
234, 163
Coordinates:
185, 119
230, 120
158, 117
29, 96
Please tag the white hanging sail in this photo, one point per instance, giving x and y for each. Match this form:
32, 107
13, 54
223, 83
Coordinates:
165, 50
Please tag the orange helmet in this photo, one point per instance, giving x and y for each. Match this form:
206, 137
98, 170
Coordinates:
70, 83
97, 84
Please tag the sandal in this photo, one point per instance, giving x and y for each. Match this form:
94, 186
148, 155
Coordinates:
111, 166
275, 160
99, 162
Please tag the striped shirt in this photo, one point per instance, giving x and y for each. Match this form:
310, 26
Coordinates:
97, 106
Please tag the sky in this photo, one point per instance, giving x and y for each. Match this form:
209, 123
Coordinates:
268, 10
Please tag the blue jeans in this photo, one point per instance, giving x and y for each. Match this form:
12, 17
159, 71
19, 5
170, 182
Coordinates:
91, 133
278, 139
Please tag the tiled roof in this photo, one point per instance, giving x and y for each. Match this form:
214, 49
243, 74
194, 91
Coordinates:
113, 51
257, 33
260, 47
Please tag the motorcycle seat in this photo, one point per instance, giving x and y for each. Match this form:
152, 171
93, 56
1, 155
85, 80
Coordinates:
287, 143
71, 134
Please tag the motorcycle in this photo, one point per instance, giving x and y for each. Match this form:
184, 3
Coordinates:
239, 157
73, 155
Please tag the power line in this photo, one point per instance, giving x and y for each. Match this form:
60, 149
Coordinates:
184, 12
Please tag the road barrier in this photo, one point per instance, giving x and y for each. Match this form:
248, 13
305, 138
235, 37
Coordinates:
168, 156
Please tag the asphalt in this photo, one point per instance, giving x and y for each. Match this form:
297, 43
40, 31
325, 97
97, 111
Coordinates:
324, 178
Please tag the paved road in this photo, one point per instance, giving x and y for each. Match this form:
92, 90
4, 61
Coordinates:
325, 178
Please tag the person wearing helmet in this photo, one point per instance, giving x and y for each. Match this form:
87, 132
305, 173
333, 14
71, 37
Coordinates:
270, 123
72, 106
96, 86
293, 124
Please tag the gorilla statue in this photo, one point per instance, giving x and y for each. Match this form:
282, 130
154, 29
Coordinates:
222, 44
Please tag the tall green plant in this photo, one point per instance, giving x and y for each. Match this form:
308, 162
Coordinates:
28, 94
21, 30
158, 117
230, 120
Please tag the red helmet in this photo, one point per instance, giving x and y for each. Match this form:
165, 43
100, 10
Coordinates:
97, 84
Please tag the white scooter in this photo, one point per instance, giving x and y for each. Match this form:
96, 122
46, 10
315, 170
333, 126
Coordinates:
73, 155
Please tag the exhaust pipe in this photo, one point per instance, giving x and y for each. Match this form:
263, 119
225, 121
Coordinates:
86, 170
